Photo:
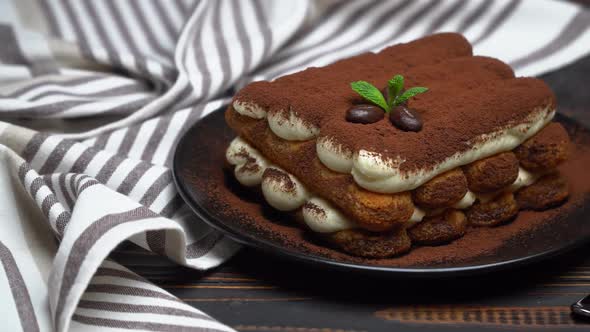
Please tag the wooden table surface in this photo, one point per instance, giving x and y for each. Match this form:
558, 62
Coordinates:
256, 292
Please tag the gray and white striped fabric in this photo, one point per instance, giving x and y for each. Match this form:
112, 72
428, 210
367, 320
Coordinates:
94, 95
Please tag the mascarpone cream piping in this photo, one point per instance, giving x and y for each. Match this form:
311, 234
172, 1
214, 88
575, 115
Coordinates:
249, 163
371, 172
319, 215
466, 201
287, 126
524, 179
249, 109
417, 216
291, 127
282, 196
284, 193
333, 155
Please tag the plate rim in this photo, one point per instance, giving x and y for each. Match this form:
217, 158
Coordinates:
283, 252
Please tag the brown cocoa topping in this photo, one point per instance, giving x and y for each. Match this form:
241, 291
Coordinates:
318, 211
244, 154
249, 167
317, 93
280, 177
468, 96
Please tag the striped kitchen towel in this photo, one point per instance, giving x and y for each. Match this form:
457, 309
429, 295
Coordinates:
94, 95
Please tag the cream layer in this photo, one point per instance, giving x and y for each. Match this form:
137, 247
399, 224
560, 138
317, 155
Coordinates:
372, 171
287, 193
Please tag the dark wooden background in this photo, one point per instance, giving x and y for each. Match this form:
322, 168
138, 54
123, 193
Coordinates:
256, 292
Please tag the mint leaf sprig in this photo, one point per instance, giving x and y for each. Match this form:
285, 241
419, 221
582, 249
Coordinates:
394, 90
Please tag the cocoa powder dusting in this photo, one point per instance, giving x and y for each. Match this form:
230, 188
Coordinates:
244, 154
318, 211
249, 167
280, 177
468, 96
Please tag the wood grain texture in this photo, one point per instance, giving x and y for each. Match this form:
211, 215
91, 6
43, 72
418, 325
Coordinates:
255, 292
296, 298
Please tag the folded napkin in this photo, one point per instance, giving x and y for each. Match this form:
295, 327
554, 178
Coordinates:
95, 94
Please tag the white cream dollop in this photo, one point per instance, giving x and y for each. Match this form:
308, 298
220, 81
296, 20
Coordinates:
417, 216
289, 126
249, 163
374, 173
321, 217
249, 109
465, 202
524, 179
370, 164
284, 192
333, 155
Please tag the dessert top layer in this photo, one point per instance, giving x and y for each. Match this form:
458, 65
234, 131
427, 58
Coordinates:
455, 116
316, 93
474, 108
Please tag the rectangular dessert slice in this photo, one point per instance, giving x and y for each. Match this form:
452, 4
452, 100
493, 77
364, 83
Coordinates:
368, 187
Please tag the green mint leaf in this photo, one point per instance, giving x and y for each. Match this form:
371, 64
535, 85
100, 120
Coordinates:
370, 93
394, 86
411, 92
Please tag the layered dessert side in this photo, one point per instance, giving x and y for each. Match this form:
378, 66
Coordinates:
413, 145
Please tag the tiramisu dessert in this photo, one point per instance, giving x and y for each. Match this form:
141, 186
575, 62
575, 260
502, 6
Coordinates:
414, 145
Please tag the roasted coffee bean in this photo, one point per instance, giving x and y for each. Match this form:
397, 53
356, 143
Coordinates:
364, 113
405, 119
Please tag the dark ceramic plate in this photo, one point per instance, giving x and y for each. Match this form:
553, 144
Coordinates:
202, 177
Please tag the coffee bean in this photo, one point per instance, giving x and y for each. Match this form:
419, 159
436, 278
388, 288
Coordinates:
405, 119
364, 114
